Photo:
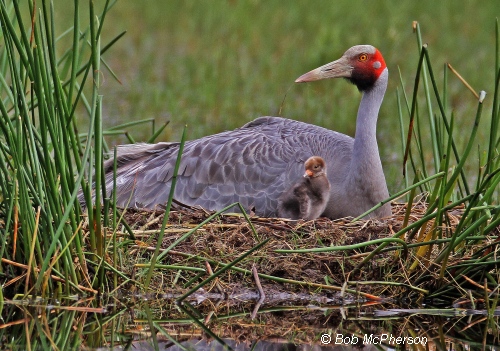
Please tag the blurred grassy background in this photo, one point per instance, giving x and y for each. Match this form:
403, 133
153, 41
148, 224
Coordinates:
215, 65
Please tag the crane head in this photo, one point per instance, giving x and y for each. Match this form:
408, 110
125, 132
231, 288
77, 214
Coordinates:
362, 65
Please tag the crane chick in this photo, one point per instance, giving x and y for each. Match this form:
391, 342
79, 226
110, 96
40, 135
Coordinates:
307, 199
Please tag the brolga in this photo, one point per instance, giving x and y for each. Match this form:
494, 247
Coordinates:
307, 199
255, 164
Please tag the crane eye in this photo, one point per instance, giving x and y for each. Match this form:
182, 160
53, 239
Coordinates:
362, 57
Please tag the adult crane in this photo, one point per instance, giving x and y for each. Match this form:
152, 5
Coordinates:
256, 163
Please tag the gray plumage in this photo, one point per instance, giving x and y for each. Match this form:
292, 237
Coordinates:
256, 163
307, 199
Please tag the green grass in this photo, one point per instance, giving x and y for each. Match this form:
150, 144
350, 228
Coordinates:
42, 160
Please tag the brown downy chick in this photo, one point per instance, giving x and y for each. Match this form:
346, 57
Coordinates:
307, 199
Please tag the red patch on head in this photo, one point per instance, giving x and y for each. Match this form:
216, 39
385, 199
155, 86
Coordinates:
366, 70
377, 57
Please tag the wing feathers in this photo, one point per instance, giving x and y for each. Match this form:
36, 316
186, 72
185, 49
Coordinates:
253, 165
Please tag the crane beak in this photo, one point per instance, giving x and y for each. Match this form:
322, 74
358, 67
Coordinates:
336, 69
308, 174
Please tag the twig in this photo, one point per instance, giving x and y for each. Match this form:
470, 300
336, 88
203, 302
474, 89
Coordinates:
475, 284
261, 292
217, 283
468, 86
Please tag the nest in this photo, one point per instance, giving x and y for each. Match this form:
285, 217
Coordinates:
197, 244
223, 239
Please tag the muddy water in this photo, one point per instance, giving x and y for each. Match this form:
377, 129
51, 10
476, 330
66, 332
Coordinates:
210, 322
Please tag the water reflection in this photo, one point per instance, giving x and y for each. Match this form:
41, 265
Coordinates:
203, 345
158, 324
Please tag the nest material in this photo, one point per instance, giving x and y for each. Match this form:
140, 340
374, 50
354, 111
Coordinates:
228, 236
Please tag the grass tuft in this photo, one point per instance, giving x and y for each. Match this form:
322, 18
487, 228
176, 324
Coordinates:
43, 161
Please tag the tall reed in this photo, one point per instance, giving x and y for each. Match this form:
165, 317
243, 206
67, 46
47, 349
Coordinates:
477, 190
43, 162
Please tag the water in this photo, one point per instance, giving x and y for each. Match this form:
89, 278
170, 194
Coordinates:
144, 323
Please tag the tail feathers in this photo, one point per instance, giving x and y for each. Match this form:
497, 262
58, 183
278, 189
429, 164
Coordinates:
129, 161
135, 153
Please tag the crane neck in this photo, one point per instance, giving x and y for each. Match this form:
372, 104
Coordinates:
365, 157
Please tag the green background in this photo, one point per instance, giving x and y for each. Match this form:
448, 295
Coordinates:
215, 65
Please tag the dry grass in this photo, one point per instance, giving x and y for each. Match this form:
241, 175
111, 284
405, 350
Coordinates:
228, 236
